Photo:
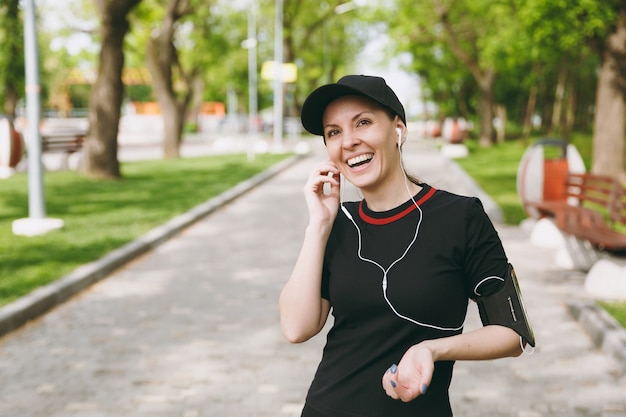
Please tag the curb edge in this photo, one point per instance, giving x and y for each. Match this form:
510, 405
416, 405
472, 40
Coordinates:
605, 332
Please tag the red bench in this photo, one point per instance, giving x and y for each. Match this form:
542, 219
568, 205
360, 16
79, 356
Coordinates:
593, 209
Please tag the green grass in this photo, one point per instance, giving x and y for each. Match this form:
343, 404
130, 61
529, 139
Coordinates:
495, 170
101, 216
617, 310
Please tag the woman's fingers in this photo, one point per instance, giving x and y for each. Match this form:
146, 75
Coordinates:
324, 173
390, 382
411, 377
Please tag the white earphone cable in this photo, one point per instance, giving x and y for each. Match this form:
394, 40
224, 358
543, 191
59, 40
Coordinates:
386, 271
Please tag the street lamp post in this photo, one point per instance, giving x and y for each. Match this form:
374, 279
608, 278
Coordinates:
36, 223
36, 205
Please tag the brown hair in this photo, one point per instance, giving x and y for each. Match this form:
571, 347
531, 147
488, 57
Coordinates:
411, 178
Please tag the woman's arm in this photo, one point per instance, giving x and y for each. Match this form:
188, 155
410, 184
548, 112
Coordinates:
413, 374
303, 311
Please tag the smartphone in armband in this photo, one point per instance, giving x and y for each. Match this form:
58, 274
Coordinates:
506, 308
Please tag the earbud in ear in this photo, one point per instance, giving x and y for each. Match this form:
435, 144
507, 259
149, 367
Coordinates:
399, 136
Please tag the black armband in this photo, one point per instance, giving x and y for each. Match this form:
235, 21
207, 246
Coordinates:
506, 308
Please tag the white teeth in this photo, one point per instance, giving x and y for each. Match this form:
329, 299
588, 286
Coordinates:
360, 158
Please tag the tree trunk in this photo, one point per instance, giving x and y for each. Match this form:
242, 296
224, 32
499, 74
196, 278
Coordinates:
161, 58
502, 121
462, 105
99, 157
530, 111
10, 101
567, 126
173, 123
484, 77
195, 104
559, 97
609, 130
485, 109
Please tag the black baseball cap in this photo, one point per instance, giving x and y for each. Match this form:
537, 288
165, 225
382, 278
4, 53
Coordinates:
369, 86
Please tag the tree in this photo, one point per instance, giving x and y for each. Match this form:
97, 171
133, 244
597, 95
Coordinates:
11, 55
610, 117
193, 51
196, 50
65, 69
444, 80
600, 25
476, 34
323, 40
163, 59
531, 46
100, 149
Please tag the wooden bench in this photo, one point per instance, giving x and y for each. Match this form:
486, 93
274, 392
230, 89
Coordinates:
593, 209
66, 141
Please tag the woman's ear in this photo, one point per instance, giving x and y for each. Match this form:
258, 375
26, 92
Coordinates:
400, 130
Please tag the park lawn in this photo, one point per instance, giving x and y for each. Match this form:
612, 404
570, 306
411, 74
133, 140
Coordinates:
617, 310
495, 170
101, 216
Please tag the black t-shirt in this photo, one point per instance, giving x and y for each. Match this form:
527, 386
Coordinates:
455, 250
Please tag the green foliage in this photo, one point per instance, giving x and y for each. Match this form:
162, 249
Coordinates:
321, 42
224, 62
79, 95
56, 58
208, 42
526, 43
565, 25
101, 216
11, 51
140, 93
444, 79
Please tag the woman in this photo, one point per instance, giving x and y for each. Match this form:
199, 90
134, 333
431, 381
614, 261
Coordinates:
397, 268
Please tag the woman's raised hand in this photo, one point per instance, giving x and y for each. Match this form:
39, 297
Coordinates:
323, 205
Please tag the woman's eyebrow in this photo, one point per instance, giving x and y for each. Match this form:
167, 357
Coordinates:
359, 115
329, 125
353, 119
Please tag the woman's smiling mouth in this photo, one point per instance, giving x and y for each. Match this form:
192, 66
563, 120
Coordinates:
359, 160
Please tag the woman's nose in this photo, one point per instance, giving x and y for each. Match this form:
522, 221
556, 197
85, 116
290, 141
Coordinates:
349, 139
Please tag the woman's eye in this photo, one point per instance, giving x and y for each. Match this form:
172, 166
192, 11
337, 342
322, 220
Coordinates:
332, 133
363, 122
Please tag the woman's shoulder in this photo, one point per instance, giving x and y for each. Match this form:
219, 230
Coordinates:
443, 196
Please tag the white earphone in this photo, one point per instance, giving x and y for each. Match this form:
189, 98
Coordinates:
384, 270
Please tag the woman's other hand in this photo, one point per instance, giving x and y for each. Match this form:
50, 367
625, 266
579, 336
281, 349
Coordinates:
412, 376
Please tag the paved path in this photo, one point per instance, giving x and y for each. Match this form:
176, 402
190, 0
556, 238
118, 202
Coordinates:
190, 329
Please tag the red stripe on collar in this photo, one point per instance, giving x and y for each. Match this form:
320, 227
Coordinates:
387, 220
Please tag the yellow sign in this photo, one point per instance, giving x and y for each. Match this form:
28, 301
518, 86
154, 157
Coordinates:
287, 72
